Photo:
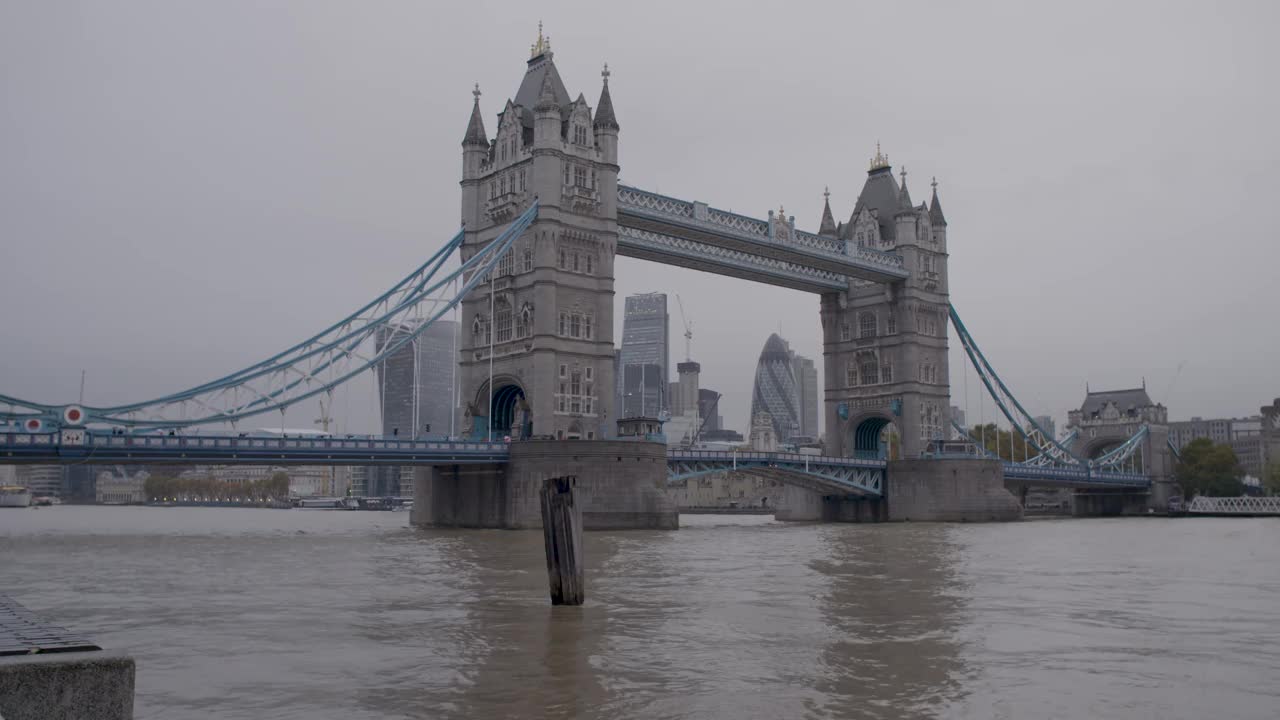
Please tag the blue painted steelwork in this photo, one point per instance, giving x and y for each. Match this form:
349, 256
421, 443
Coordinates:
1118, 455
1018, 417
829, 474
670, 249
78, 447
663, 215
1074, 477
314, 366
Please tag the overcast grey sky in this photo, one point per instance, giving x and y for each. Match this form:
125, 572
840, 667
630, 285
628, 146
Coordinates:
187, 187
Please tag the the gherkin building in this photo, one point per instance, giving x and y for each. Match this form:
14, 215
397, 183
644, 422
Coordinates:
775, 389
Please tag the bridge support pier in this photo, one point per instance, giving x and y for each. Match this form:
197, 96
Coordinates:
619, 485
800, 504
1098, 503
954, 490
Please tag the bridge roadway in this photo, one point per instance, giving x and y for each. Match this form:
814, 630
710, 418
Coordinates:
830, 475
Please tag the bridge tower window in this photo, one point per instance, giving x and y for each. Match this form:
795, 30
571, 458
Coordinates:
844, 331
580, 176
851, 374
528, 258
886, 373
866, 325
891, 324
502, 319
870, 372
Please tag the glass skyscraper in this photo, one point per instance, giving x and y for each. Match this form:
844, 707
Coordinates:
644, 359
775, 389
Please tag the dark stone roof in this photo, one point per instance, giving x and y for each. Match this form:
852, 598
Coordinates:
604, 110
475, 128
935, 210
879, 193
1123, 400
530, 90
828, 226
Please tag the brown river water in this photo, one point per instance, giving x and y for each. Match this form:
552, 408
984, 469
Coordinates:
245, 613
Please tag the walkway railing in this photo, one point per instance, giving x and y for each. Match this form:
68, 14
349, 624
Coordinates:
79, 446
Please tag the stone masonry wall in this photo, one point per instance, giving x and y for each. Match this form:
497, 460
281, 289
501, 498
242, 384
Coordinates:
950, 491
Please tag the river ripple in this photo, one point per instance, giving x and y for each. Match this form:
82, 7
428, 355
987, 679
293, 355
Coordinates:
243, 613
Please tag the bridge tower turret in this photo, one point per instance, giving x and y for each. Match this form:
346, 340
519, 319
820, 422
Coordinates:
542, 326
885, 346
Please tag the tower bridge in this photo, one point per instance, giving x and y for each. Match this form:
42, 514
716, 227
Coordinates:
544, 218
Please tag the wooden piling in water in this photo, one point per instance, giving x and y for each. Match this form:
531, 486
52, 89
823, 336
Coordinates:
562, 537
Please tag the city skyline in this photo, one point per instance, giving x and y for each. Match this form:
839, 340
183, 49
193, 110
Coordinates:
997, 214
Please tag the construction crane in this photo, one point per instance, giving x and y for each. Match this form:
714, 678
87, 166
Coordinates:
688, 331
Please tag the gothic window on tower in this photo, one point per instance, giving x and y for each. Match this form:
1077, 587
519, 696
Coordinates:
493, 189
886, 373
580, 135
577, 265
566, 174
866, 325
580, 176
851, 373
575, 325
521, 180
524, 324
589, 264
507, 264
564, 323
844, 331
870, 374
502, 321
528, 258
891, 324
564, 259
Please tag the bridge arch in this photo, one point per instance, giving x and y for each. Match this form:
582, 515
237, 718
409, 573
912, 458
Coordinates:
870, 437
508, 413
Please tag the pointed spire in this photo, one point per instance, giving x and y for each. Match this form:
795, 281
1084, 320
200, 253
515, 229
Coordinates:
604, 108
547, 95
828, 226
475, 128
542, 46
936, 217
880, 161
904, 197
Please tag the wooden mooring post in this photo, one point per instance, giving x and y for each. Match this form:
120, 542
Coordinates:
562, 536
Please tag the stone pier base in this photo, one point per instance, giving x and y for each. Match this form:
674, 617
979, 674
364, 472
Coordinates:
800, 504
620, 484
1099, 503
959, 490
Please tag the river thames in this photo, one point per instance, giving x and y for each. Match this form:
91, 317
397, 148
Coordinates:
244, 613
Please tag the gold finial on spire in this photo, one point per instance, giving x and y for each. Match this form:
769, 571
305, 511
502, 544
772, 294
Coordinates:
935, 183
476, 93
543, 45
903, 173
826, 193
880, 160
605, 73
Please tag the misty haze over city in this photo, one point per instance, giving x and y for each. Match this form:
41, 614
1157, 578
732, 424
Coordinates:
187, 189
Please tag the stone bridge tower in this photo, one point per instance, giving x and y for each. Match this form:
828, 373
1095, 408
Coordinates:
542, 326
885, 346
